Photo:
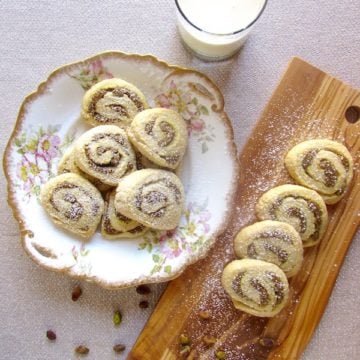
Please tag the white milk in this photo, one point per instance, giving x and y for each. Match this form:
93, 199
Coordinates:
218, 19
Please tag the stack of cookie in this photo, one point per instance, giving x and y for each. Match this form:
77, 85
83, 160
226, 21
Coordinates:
121, 171
292, 217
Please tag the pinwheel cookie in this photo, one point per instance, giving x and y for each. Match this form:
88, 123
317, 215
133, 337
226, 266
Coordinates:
160, 135
115, 225
272, 241
298, 206
152, 197
256, 287
108, 232
73, 203
105, 153
67, 165
112, 102
323, 165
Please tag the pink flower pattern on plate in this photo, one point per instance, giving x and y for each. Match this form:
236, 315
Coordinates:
48, 147
38, 152
91, 73
188, 238
184, 101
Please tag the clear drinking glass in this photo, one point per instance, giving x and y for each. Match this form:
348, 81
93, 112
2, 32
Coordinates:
216, 29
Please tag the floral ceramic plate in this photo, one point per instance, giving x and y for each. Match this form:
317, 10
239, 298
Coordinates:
48, 122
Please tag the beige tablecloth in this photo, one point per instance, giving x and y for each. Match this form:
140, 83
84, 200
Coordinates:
39, 35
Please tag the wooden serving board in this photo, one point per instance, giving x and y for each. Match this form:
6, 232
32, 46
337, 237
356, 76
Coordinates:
307, 104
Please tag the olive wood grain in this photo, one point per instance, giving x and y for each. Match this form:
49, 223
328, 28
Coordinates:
307, 104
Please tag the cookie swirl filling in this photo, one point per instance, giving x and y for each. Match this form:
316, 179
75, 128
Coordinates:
65, 199
73, 203
255, 286
112, 102
111, 105
322, 165
271, 241
300, 212
302, 208
105, 153
107, 158
160, 135
154, 197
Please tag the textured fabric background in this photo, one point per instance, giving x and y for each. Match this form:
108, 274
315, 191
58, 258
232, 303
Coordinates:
38, 36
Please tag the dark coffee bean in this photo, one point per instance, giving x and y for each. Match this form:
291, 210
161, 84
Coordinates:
143, 304
51, 335
76, 293
143, 290
118, 348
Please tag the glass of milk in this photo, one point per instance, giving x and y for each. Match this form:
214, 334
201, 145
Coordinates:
216, 29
